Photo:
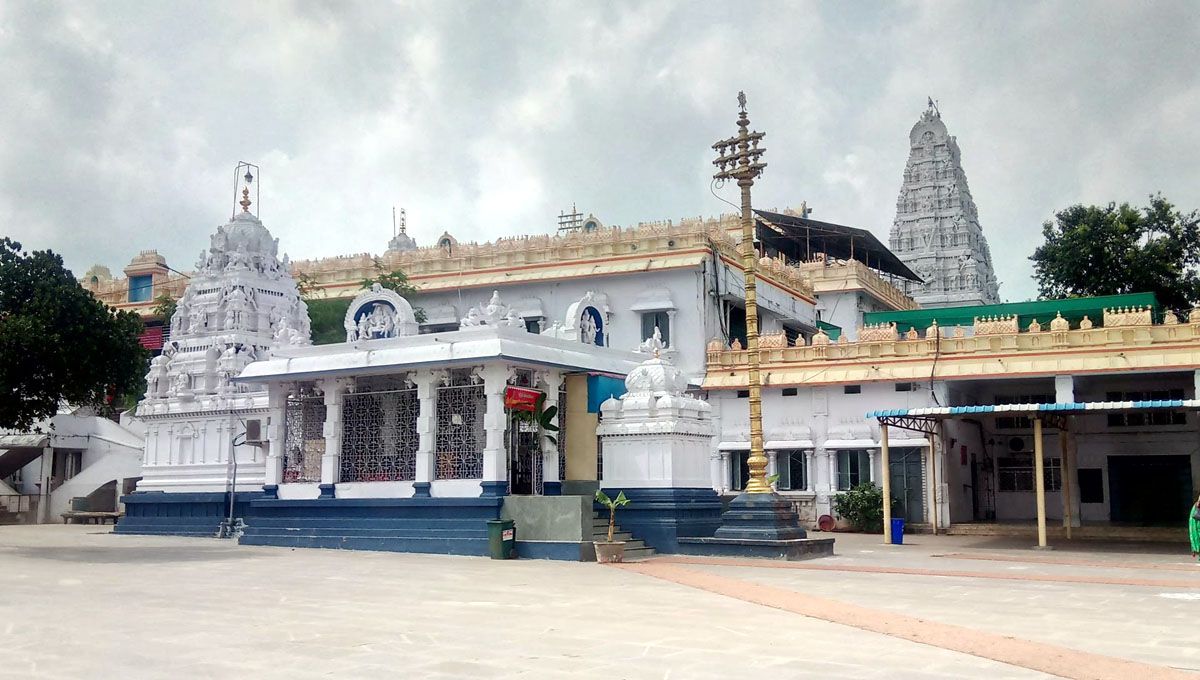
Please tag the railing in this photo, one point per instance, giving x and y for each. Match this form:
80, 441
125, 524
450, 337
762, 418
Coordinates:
18, 508
849, 274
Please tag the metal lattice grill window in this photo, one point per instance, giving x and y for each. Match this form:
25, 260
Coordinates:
379, 436
459, 436
304, 438
562, 431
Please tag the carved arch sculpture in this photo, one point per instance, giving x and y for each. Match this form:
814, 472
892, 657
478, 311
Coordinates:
379, 313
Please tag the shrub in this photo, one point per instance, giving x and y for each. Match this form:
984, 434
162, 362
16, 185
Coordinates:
863, 506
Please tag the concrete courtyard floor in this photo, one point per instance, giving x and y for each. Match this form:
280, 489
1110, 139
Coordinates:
79, 602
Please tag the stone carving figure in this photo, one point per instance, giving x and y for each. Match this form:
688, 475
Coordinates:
156, 379
196, 319
587, 328
236, 306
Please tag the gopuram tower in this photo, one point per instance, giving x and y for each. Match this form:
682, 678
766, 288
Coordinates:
936, 231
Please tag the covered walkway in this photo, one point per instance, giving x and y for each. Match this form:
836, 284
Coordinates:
1059, 416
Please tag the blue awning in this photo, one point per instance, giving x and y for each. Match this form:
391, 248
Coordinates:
1074, 407
601, 388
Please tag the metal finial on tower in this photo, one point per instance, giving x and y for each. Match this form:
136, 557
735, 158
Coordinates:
742, 101
248, 179
403, 220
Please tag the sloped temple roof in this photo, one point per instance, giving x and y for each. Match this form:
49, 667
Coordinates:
802, 239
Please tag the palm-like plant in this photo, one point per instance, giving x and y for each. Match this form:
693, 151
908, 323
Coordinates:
612, 504
544, 417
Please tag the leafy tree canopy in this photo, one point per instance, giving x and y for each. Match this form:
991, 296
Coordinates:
164, 307
58, 343
1113, 250
398, 281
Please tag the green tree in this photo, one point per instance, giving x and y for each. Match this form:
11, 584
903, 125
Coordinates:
395, 280
1093, 250
164, 308
58, 343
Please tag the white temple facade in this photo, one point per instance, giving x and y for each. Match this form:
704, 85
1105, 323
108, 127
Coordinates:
202, 428
936, 231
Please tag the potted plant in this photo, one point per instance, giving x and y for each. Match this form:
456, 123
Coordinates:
610, 550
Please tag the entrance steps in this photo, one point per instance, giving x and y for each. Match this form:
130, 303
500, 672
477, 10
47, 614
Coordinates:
634, 549
1087, 532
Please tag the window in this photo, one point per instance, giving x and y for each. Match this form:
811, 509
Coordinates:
1150, 417
852, 389
790, 391
792, 470
739, 470
904, 387
1014, 423
1015, 472
141, 288
533, 324
660, 319
737, 325
743, 394
1091, 485
853, 468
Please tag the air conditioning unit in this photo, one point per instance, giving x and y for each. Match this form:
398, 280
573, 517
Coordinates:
254, 432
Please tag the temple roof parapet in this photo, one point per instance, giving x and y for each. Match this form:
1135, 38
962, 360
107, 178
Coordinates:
829, 276
991, 346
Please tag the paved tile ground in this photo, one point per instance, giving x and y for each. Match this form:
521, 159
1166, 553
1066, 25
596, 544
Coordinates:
78, 602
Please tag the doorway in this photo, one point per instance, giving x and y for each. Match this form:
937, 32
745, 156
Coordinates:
1149, 490
524, 455
908, 482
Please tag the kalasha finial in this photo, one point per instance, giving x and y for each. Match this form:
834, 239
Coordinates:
245, 202
742, 101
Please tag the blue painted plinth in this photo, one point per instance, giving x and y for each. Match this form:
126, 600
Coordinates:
660, 517
452, 526
180, 514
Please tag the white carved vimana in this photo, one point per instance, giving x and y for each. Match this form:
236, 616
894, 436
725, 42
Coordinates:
241, 303
936, 231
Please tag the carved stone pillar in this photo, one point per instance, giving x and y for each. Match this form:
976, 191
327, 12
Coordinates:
495, 420
426, 382
726, 472
277, 394
871, 455
772, 463
335, 391
551, 484
809, 483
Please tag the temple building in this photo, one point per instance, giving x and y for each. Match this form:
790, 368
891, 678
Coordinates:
936, 231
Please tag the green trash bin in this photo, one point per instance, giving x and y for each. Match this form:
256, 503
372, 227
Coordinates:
502, 539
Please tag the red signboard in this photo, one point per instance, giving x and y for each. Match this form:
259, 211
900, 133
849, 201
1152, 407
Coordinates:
152, 337
520, 398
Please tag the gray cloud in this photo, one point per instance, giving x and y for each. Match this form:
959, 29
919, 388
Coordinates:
121, 122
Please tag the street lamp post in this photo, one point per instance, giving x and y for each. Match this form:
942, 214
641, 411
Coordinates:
740, 159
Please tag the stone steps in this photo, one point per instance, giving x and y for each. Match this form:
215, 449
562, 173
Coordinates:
634, 549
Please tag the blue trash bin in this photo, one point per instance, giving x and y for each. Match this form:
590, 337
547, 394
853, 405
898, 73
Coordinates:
898, 532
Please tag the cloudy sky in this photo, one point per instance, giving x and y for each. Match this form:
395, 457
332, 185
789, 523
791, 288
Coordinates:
121, 123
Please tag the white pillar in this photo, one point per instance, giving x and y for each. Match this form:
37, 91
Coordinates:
495, 420
335, 389
833, 477
551, 484
772, 463
871, 465
426, 382
726, 472
1064, 389
810, 484
47, 475
277, 394
714, 470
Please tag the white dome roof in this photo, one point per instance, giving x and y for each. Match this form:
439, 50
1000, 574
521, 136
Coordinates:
656, 376
246, 232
